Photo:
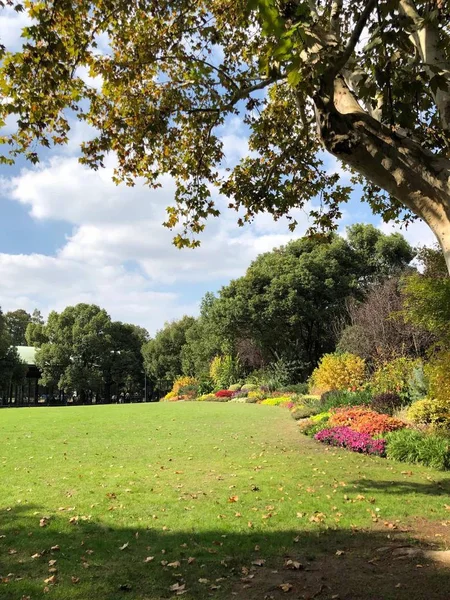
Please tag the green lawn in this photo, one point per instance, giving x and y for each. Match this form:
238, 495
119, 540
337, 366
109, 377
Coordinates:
205, 489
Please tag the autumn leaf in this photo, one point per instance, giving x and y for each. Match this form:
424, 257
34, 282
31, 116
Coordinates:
203, 580
124, 546
44, 522
51, 579
75, 580
174, 564
286, 587
259, 562
293, 564
149, 559
233, 498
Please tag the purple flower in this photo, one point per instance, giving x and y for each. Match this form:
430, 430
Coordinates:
344, 437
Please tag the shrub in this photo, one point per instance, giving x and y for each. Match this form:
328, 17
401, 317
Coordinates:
438, 374
207, 398
323, 416
386, 403
277, 401
344, 437
296, 388
170, 396
338, 372
314, 428
413, 446
189, 391
235, 387
182, 382
430, 412
300, 412
224, 370
239, 394
363, 420
238, 399
223, 394
397, 376
205, 386
249, 387
337, 399
257, 395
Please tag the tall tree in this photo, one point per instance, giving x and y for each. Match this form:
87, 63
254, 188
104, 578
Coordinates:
289, 299
17, 323
11, 369
368, 80
162, 353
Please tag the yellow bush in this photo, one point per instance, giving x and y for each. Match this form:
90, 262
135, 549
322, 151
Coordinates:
430, 412
338, 372
170, 396
182, 382
438, 373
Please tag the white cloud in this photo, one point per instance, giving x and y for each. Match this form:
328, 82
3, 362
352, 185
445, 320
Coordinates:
417, 233
11, 26
114, 226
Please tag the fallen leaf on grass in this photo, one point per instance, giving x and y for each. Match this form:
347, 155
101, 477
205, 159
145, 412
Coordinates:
339, 552
51, 579
233, 498
124, 546
55, 548
174, 564
52, 563
293, 564
259, 562
149, 559
44, 522
75, 580
203, 580
286, 587
177, 587
37, 555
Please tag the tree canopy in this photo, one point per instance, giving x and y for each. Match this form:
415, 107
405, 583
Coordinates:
367, 80
82, 349
17, 323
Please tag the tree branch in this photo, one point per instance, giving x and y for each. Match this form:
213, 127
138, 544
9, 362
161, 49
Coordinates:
354, 39
425, 37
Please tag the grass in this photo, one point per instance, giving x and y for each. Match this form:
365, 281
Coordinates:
206, 489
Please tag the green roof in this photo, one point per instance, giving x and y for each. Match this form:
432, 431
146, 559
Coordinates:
27, 354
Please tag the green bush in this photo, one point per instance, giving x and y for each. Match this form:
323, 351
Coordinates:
316, 427
249, 387
336, 399
407, 445
402, 376
235, 387
296, 388
323, 416
277, 401
302, 411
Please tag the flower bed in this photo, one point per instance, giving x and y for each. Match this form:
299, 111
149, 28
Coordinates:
363, 420
344, 437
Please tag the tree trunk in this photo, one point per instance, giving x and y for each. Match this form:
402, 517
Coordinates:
387, 158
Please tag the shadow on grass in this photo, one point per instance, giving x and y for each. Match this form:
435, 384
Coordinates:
400, 488
93, 561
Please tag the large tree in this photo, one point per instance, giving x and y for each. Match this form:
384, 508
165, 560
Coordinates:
17, 323
365, 79
290, 300
82, 349
162, 353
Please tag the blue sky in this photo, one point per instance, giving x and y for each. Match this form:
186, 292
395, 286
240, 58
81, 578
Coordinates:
70, 235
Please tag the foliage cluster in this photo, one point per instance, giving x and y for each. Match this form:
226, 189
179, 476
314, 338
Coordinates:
345, 437
338, 372
364, 420
418, 447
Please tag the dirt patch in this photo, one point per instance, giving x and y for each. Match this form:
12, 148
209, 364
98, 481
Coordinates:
408, 565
